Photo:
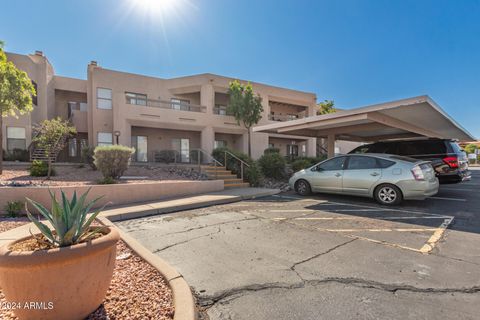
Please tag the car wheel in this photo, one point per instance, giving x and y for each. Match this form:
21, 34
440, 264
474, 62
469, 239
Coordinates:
303, 188
388, 194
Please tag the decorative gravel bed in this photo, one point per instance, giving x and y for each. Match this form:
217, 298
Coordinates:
74, 176
137, 290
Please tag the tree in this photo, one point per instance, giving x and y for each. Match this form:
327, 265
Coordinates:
16, 91
245, 106
325, 107
52, 137
470, 148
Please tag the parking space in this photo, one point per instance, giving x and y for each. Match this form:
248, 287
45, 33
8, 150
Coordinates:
326, 256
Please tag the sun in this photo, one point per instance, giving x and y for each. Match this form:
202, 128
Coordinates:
157, 7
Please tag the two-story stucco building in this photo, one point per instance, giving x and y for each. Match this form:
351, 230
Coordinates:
153, 114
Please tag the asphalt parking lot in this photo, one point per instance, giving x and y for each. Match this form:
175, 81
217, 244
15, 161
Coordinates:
327, 257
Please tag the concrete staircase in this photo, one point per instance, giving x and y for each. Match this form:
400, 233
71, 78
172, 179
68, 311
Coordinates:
230, 180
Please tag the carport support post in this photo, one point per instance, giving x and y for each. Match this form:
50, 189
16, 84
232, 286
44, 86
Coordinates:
331, 146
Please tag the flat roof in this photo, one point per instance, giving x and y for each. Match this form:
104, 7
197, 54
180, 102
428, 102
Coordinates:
406, 118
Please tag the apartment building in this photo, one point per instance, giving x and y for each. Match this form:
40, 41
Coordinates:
153, 114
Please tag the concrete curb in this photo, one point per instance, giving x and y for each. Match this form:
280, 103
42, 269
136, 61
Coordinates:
182, 295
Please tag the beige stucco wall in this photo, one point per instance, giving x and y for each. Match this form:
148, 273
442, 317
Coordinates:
115, 195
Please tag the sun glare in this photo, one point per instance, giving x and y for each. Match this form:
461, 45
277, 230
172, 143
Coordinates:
157, 7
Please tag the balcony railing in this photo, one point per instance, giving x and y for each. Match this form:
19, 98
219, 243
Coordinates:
288, 117
165, 104
221, 110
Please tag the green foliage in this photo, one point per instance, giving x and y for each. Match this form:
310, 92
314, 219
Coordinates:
113, 160
245, 106
107, 180
16, 91
300, 164
16, 155
325, 107
254, 174
39, 168
52, 136
13, 208
271, 150
272, 165
232, 163
87, 156
69, 219
470, 148
165, 156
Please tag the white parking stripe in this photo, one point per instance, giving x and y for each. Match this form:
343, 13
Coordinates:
451, 199
373, 218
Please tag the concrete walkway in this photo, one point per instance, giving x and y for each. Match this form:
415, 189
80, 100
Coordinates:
138, 210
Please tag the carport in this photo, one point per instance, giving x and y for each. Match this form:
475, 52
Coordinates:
400, 119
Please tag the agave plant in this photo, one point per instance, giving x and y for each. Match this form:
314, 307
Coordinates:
69, 219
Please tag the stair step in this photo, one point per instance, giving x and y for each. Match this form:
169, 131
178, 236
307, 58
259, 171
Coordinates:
222, 177
235, 180
236, 185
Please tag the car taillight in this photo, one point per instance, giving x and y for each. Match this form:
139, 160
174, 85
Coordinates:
451, 161
418, 173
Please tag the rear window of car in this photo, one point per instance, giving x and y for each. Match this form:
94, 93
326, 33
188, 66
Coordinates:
414, 148
382, 147
455, 147
407, 159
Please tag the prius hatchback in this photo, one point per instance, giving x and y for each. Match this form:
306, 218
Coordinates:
388, 179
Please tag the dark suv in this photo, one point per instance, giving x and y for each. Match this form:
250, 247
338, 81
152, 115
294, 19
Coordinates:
448, 159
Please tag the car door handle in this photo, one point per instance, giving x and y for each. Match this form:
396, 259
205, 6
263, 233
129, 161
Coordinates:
337, 174
374, 174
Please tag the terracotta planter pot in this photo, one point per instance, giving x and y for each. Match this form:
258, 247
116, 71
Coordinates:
62, 283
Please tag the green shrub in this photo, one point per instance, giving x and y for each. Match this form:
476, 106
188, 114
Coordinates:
165, 156
253, 174
87, 157
13, 208
107, 180
300, 164
271, 150
113, 160
40, 169
16, 155
232, 163
272, 165
69, 219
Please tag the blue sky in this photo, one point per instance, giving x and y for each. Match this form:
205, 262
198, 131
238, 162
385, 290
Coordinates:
355, 52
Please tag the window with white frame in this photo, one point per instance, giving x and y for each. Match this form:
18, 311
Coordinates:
180, 104
72, 148
136, 98
16, 138
220, 144
104, 98
104, 139
220, 109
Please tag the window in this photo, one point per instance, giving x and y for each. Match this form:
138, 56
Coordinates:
72, 148
333, 164
292, 150
220, 144
140, 144
71, 106
104, 98
104, 139
16, 138
180, 104
383, 163
83, 106
136, 98
34, 97
431, 147
271, 145
359, 163
220, 109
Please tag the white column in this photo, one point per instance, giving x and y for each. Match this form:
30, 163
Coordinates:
312, 147
331, 145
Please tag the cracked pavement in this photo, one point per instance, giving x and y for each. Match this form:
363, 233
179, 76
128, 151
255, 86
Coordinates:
271, 258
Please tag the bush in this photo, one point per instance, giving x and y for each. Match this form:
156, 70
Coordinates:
305, 162
87, 157
254, 174
13, 208
271, 150
232, 163
107, 180
165, 156
40, 169
113, 160
272, 165
16, 155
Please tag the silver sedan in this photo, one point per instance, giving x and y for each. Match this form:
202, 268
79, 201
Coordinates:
387, 178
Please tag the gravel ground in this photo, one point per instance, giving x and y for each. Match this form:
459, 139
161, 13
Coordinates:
72, 176
137, 290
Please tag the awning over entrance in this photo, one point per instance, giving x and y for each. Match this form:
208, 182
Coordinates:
407, 118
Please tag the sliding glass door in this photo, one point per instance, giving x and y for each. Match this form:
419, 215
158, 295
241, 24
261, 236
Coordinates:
183, 147
140, 143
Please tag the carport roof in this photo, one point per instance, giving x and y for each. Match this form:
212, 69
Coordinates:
406, 118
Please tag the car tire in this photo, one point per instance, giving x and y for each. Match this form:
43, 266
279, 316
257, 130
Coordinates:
388, 194
302, 187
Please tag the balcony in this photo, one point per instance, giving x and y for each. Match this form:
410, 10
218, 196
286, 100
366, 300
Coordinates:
165, 104
221, 110
287, 117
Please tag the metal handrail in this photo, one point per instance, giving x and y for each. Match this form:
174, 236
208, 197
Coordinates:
176, 153
242, 163
165, 104
215, 161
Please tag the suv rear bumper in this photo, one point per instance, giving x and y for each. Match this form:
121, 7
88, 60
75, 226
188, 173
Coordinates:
455, 177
